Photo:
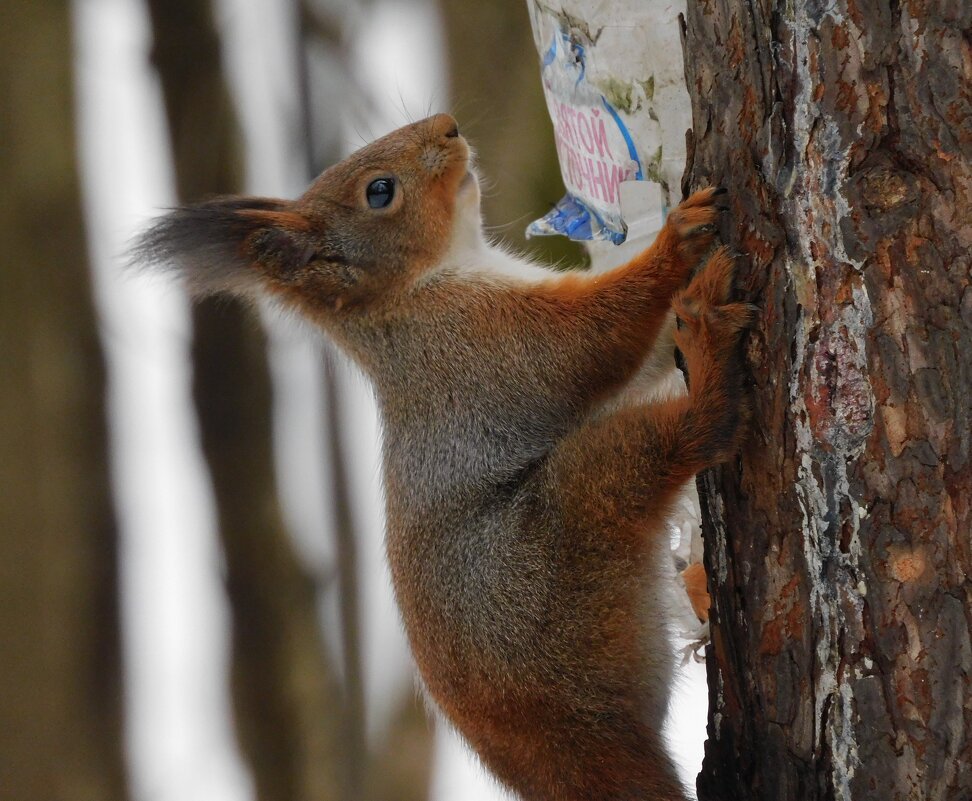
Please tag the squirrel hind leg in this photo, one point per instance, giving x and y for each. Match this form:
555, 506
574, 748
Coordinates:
712, 284
632, 462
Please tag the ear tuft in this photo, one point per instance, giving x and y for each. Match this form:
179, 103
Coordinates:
206, 242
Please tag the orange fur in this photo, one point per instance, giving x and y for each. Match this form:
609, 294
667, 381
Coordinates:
695, 586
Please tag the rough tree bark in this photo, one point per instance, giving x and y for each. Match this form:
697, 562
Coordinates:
838, 546
287, 697
60, 683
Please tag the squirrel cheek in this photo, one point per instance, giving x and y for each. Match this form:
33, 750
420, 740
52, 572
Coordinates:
319, 287
434, 160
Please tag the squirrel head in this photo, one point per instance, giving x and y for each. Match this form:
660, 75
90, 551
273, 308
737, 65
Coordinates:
366, 228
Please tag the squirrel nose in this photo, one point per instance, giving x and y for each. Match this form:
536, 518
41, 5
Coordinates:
445, 125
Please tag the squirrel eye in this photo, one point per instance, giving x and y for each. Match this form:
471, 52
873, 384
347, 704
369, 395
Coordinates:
380, 192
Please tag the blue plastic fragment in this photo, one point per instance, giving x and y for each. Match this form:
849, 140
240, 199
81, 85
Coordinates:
571, 218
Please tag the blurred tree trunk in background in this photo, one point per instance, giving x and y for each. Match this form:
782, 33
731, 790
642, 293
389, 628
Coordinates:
838, 547
399, 766
60, 685
287, 698
354, 743
493, 91
322, 33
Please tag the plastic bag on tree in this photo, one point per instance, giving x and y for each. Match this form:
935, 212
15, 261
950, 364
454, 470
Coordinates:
614, 83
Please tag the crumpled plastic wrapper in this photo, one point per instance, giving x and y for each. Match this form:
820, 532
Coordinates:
614, 83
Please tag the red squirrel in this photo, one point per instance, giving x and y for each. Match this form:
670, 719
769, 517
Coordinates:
526, 513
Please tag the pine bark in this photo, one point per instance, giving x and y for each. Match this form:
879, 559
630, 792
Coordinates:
838, 545
60, 671
287, 697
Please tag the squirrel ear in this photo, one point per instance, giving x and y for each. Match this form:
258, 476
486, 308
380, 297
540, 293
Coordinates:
215, 244
279, 241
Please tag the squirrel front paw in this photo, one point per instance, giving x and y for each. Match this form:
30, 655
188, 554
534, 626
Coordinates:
693, 223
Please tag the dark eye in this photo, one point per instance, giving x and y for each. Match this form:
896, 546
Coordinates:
380, 192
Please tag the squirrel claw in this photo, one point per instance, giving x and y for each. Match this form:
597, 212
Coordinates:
694, 224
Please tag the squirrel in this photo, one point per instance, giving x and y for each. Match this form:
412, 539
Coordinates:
525, 512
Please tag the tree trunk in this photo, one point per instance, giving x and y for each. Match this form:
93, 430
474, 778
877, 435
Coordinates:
60, 702
838, 545
287, 698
